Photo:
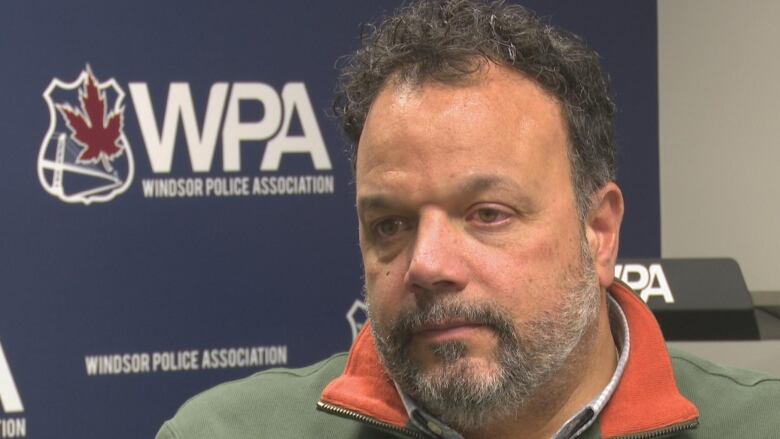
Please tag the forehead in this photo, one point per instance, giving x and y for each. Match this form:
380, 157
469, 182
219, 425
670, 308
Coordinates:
498, 123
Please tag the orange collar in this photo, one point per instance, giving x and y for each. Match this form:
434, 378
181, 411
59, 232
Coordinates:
646, 398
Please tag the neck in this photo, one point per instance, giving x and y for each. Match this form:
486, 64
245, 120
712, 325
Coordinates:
582, 378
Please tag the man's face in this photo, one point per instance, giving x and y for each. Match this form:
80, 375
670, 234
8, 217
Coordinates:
474, 256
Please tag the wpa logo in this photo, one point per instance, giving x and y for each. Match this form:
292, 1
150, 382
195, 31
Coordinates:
15, 426
9, 395
85, 156
649, 281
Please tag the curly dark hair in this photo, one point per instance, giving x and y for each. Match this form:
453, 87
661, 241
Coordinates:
449, 40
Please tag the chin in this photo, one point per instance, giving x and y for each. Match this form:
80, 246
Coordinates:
455, 358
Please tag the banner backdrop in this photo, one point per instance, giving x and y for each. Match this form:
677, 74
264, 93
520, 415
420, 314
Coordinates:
177, 209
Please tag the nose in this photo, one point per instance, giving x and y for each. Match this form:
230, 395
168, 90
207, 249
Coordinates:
437, 260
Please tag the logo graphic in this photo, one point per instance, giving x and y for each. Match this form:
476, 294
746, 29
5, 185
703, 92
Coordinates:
85, 156
9, 396
649, 281
356, 317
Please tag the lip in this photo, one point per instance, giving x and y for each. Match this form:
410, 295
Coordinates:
447, 332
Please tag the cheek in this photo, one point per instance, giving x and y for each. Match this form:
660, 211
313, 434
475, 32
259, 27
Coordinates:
384, 290
523, 278
380, 274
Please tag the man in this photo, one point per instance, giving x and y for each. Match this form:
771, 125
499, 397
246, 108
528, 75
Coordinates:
489, 224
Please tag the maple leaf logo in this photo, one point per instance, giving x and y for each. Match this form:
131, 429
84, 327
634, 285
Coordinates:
97, 132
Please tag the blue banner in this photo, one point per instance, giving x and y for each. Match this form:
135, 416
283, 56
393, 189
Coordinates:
178, 209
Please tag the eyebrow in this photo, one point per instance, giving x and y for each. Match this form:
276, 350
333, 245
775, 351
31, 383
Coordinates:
373, 202
482, 183
473, 185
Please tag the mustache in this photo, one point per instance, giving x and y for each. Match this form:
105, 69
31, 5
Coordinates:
437, 313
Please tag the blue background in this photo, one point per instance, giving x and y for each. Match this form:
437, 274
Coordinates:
140, 275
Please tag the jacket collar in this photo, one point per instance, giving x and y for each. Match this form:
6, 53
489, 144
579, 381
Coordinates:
647, 398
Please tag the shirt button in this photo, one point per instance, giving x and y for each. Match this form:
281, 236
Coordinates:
434, 427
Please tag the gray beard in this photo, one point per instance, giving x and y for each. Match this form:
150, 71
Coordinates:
461, 393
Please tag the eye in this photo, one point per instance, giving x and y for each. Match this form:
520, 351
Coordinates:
389, 227
489, 216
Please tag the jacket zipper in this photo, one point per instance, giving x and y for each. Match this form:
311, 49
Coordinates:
340, 411
663, 432
344, 413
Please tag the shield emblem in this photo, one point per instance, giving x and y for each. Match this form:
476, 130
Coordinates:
357, 316
85, 157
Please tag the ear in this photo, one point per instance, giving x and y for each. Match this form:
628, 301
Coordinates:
603, 230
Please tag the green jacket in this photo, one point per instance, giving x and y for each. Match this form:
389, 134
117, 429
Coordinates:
661, 394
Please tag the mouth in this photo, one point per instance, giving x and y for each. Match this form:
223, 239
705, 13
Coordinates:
447, 331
